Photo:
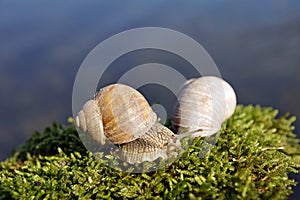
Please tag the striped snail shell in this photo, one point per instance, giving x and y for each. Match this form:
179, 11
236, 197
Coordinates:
122, 115
203, 105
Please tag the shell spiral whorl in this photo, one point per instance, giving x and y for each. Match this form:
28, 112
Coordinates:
204, 104
126, 114
122, 115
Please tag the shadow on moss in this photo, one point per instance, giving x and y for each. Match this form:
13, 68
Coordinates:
4, 193
251, 160
46, 143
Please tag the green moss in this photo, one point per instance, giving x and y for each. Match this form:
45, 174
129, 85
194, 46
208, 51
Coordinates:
251, 160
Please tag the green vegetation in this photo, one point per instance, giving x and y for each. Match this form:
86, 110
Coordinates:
251, 160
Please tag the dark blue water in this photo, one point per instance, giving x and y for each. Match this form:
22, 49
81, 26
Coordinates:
255, 44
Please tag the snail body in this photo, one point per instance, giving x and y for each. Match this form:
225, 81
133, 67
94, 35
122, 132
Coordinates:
152, 145
203, 105
120, 115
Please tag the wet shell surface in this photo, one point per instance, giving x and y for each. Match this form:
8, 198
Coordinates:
204, 104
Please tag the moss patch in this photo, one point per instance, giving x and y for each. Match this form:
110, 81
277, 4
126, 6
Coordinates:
251, 160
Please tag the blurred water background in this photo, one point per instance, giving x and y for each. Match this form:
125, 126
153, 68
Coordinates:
255, 44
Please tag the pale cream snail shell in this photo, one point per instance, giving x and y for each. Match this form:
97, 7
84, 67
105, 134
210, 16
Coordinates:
122, 115
203, 105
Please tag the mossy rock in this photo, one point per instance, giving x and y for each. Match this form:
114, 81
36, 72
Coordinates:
252, 158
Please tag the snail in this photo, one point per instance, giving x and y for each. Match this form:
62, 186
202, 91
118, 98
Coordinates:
203, 105
121, 115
